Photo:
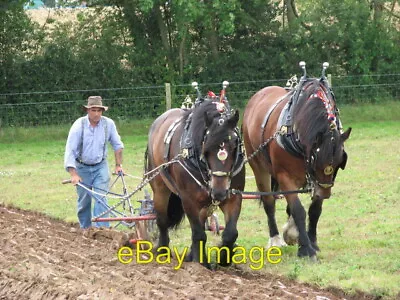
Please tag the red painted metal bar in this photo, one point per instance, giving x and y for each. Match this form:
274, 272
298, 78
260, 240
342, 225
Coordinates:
250, 197
126, 219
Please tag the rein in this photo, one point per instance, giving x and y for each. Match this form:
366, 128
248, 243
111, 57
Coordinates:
236, 192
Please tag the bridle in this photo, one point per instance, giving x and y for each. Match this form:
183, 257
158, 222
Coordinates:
223, 154
334, 124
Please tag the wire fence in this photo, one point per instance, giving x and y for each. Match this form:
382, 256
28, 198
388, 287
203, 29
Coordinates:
64, 107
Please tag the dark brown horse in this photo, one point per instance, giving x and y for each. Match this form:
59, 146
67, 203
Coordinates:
199, 153
295, 138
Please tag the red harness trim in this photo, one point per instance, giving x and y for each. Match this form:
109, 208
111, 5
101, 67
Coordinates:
320, 94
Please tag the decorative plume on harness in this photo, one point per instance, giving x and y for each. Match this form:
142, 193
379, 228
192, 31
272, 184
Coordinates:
193, 160
211, 94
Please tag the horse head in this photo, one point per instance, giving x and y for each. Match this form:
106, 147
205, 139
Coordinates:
320, 133
324, 158
221, 149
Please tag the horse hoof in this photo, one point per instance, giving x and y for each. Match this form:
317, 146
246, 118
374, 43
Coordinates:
208, 266
314, 259
290, 232
188, 257
276, 241
306, 251
315, 247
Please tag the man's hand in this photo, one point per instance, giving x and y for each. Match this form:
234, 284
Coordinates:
75, 178
118, 169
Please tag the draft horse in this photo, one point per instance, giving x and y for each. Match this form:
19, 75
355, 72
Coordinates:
200, 156
294, 138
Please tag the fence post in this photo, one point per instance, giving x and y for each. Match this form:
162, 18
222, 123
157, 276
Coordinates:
330, 79
168, 97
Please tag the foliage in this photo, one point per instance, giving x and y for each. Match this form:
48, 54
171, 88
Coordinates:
348, 34
117, 43
15, 32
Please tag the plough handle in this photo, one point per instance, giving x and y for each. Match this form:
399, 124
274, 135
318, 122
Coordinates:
113, 173
66, 181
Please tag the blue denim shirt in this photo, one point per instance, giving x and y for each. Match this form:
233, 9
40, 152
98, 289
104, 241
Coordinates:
94, 147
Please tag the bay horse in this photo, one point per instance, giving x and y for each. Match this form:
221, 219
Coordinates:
200, 156
293, 139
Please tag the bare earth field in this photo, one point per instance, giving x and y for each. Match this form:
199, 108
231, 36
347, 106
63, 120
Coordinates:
43, 258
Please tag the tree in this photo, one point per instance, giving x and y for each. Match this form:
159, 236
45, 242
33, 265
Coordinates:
355, 36
14, 37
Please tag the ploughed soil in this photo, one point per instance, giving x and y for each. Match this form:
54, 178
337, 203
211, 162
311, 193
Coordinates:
44, 258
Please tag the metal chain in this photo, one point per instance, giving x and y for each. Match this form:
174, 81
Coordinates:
149, 176
308, 189
260, 148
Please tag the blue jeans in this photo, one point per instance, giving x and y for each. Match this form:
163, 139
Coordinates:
97, 177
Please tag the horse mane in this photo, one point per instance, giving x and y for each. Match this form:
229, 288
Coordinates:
311, 119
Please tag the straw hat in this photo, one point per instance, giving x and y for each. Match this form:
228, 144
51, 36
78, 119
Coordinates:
95, 101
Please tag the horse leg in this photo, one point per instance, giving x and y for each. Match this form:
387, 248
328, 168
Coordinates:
263, 181
231, 209
160, 200
298, 213
289, 230
199, 239
314, 212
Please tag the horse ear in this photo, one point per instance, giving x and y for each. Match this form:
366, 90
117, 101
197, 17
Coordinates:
344, 161
207, 119
234, 119
345, 135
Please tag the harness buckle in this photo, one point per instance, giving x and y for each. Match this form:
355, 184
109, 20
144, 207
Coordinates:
213, 206
185, 153
283, 130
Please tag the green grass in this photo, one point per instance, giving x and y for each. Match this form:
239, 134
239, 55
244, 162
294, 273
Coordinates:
359, 230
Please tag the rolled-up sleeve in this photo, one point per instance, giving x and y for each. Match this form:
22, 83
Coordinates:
71, 147
114, 138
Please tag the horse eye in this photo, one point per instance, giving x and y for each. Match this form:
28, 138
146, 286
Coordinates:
221, 121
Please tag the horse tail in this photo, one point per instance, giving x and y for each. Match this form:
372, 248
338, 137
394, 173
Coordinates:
175, 211
274, 184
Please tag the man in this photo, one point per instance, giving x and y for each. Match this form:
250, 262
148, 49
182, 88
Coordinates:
86, 159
